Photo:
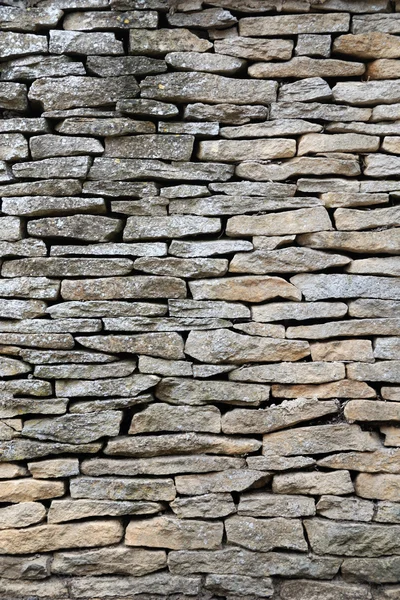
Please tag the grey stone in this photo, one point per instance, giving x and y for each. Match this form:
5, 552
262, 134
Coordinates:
30, 287
320, 439
200, 87
70, 92
292, 25
111, 249
46, 146
22, 589
13, 147
88, 20
367, 93
20, 44
209, 63
299, 311
22, 309
312, 590
126, 386
270, 129
10, 229
206, 506
116, 369
382, 165
153, 228
61, 167
225, 113
31, 67
164, 367
204, 19
23, 125
386, 348
79, 429
347, 509
22, 515
80, 227
105, 309
359, 242
387, 371
208, 248
309, 44
167, 147
274, 462
75, 42
165, 345
181, 267
305, 90
226, 346
273, 418
232, 480
48, 326
66, 267
303, 67
316, 372
146, 107
20, 449
337, 482
162, 41
50, 187
262, 504
345, 165
263, 535
255, 48
116, 189
286, 260
352, 219
235, 151
37, 18
164, 417
136, 287
70, 510
114, 488
318, 287
374, 570
316, 110
248, 289
27, 567
35, 206
112, 66
198, 309
195, 392
13, 96
103, 127
179, 443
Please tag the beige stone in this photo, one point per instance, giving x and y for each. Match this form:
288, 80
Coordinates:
383, 68
343, 199
22, 515
273, 418
29, 490
110, 288
387, 371
312, 372
343, 350
264, 534
232, 480
367, 46
294, 24
298, 311
379, 486
255, 48
176, 534
264, 504
285, 260
54, 468
176, 390
313, 143
391, 144
367, 93
315, 484
73, 509
352, 219
320, 439
247, 289
392, 435
206, 506
344, 165
305, 67
160, 417
304, 220
381, 460
346, 509
366, 411
389, 265
167, 345
46, 538
115, 488
359, 242
303, 589
235, 151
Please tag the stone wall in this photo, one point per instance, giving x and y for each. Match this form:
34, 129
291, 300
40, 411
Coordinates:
199, 302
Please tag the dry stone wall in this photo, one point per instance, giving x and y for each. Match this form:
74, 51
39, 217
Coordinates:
199, 300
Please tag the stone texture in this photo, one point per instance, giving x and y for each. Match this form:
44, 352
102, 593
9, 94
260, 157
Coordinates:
22, 515
70, 510
338, 482
195, 392
312, 590
285, 260
344, 165
319, 372
164, 417
209, 506
264, 504
265, 534
128, 287
247, 289
305, 67
229, 151
167, 345
114, 488
233, 480
378, 486
162, 41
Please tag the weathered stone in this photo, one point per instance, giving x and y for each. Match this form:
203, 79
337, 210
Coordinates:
306, 90
114, 488
235, 151
318, 287
13, 97
261, 504
162, 41
179, 267
103, 127
30, 490
374, 570
118, 560
316, 110
366, 411
292, 25
338, 482
343, 350
164, 367
209, 63
204, 19
255, 48
116, 369
279, 463
85, 406
111, 249
383, 68
30, 287
224, 113
146, 107
332, 184
36, 206
232, 480
345, 165
208, 248
70, 92
176, 534
367, 93
391, 433
382, 460
71, 510
105, 309
180, 443
45, 538
23, 125
384, 128
66, 267
45, 146
309, 44
160, 465
13, 147
239, 585
167, 147
387, 348
130, 168
200, 87
163, 324
23, 589
158, 583
258, 329
22, 515
31, 67
33, 20
125, 387
198, 309
304, 67
352, 539
50, 187
172, 226
351, 220
382, 165
80, 227
237, 561
368, 45
86, 21
37, 340
127, 287
320, 439
299, 311
226, 346
10, 229
55, 468
270, 129
74, 42
312, 590
13, 407
250, 289
371, 242
20, 449
48, 326
286, 260
350, 142
165, 345
388, 371
10, 470
347, 509
286, 372
263, 535
62, 167
387, 512
10, 367
164, 417
343, 199
79, 429
207, 506
274, 418
20, 44
390, 393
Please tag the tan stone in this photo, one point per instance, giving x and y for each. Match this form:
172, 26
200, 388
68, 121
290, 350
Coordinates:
304, 67
378, 487
389, 265
115, 488
176, 534
298, 311
315, 484
123, 287
343, 199
353, 328
390, 143
381, 460
367, 410
46, 538
21, 515
343, 350
383, 68
346, 509
29, 490
73, 509
160, 417
313, 143
320, 439
312, 372
344, 165
255, 48
247, 289
352, 219
390, 393
285, 260
167, 345
262, 504
359, 242
392, 435
273, 418
368, 46
54, 468
294, 24
235, 151
206, 506
232, 480
303, 589
374, 570
10, 470
388, 371
304, 220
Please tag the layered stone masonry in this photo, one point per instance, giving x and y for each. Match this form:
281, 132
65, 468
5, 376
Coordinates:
199, 301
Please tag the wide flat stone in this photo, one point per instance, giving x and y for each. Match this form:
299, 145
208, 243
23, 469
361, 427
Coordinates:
30, 490
114, 488
359, 242
235, 151
224, 113
30, 287
188, 249
318, 287
255, 48
247, 289
209, 506
313, 143
166, 345
347, 509
33, 20
117, 369
343, 350
367, 46
88, 20
167, 147
75, 42
274, 128
208, 63
300, 166
43, 206
285, 260
367, 93
70, 510
66, 267
196, 268
136, 287
21, 515
374, 570
160, 42
352, 219
312, 590
304, 67
60, 167
264, 504
152, 228
286, 372
387, 371
125, 386
164, 417
298, 311
314, 484
263, 535
294, 24
79, 429
233, 480
382, 460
